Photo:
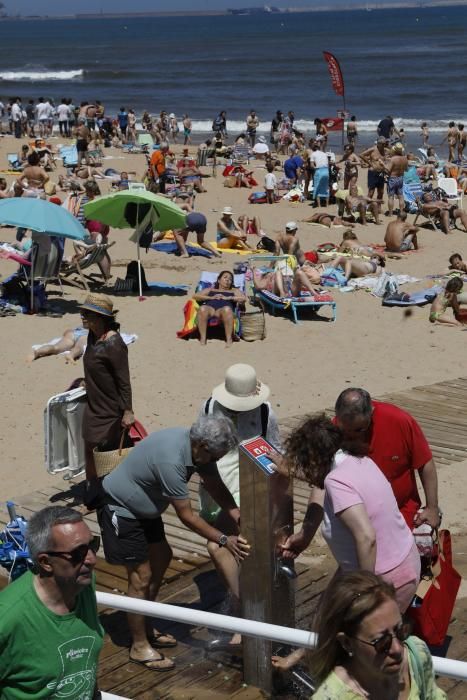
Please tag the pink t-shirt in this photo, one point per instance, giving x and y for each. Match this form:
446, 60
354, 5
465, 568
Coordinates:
352, 481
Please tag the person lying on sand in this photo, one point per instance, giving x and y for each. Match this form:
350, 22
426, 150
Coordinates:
72, 344
400, 235
456, 263
328, 220
351, 244
354, 267
446, 300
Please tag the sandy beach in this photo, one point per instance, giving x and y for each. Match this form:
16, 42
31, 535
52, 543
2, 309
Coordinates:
306, 365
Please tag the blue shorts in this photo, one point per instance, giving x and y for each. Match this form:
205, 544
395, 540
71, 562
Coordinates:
395, 185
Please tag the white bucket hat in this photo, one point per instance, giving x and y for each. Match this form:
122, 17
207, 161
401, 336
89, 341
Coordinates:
241, 390
228, 211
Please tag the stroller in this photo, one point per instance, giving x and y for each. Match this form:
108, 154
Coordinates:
14, 554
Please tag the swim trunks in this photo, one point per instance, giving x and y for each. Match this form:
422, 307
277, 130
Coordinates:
395, 185
196, 222
375, 179
406, 245
81, 145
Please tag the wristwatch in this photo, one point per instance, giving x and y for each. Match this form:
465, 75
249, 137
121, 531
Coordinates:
222, 541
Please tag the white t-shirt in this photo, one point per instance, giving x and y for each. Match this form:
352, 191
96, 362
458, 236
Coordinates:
16, 112
63, 112
270, 181
42, 110
319, 159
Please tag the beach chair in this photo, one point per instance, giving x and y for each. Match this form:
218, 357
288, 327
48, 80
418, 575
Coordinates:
136, 186
190, 310
69, 156
63, 442
45, 266
293, 304
14, 162
240, 154
449, 186
93, 257
145, 140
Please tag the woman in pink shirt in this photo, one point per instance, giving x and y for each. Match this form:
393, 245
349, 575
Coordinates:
362, 523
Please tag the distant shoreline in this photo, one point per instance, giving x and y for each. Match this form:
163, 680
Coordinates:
368, 6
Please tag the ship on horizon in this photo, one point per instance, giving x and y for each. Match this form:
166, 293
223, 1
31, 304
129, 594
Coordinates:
264, 10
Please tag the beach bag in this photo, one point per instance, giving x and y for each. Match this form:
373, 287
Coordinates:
434, 601
230, 181
132, 274
257, 198
333, 278
253, 325
106, 461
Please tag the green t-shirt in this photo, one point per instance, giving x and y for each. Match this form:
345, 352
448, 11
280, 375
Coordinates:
45, 655
333, 687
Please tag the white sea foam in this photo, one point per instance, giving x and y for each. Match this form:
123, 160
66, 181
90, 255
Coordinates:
410, 125
40, 75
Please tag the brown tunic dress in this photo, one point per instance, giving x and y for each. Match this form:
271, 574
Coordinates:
108, 390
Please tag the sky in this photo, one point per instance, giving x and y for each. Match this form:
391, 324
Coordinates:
53, 7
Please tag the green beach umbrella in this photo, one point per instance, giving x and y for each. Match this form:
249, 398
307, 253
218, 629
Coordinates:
136, 209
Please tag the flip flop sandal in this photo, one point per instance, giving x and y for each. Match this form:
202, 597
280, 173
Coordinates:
146, 662
154, 642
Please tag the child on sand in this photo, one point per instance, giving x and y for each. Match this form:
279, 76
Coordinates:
270, 184
446, 300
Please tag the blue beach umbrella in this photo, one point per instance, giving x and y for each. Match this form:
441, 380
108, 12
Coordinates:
42, 217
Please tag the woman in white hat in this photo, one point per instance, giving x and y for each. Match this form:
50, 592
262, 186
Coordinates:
244, 399
229, 234
173, 127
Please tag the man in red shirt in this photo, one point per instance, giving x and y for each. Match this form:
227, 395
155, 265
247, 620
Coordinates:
395, 441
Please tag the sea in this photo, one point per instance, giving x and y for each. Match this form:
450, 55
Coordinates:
409, 63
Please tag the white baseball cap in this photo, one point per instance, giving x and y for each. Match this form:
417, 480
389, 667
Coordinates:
291, 226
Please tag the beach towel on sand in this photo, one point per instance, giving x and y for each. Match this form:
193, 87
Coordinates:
127, 338
424, 296
173, 249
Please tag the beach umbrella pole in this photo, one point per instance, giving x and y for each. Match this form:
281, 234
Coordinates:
31, 280
141, 298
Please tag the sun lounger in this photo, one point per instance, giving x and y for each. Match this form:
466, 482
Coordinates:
14, 162
305, 301
190, 310
69, 156
145, 140
93, 257
64, 445
421, 298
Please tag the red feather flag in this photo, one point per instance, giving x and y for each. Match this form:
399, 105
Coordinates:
335, 73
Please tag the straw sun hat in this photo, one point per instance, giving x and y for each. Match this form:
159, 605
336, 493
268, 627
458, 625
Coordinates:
99, 304
241, 389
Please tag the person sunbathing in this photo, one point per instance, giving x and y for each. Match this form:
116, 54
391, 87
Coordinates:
351, 244
456, 263
72, 345
434, 204
190, 174
229, 233
250, 225
356, 203
446, 300
400, 235
219, 302
287, 282
354, 267
326, 219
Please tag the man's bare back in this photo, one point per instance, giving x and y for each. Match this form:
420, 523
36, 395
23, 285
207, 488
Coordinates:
400, 236
397, 166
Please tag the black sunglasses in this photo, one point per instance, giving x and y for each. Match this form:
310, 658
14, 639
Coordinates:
383, 644
78, 555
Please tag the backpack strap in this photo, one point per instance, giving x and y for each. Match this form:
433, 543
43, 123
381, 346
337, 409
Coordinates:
264, 419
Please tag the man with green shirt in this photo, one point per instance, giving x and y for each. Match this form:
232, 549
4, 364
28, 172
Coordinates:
50, 635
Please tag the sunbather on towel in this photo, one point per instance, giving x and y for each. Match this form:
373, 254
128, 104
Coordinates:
400, 235
72, 343
446, 300
218, 302
360, 204
326, 219
351, 244
354, 267
456, 263
229, 233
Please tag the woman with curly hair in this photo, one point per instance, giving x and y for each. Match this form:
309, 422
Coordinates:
362, 524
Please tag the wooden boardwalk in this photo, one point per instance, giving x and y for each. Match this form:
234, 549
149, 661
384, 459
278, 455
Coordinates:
190, 581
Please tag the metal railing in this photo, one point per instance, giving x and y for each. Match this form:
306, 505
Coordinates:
274, 633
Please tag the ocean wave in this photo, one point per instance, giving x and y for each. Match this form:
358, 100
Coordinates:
40, 75
410, 125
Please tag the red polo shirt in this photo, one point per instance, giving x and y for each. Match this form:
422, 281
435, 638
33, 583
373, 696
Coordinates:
399, 448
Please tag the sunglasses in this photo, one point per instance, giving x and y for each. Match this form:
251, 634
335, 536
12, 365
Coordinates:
383, 644
78, 555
